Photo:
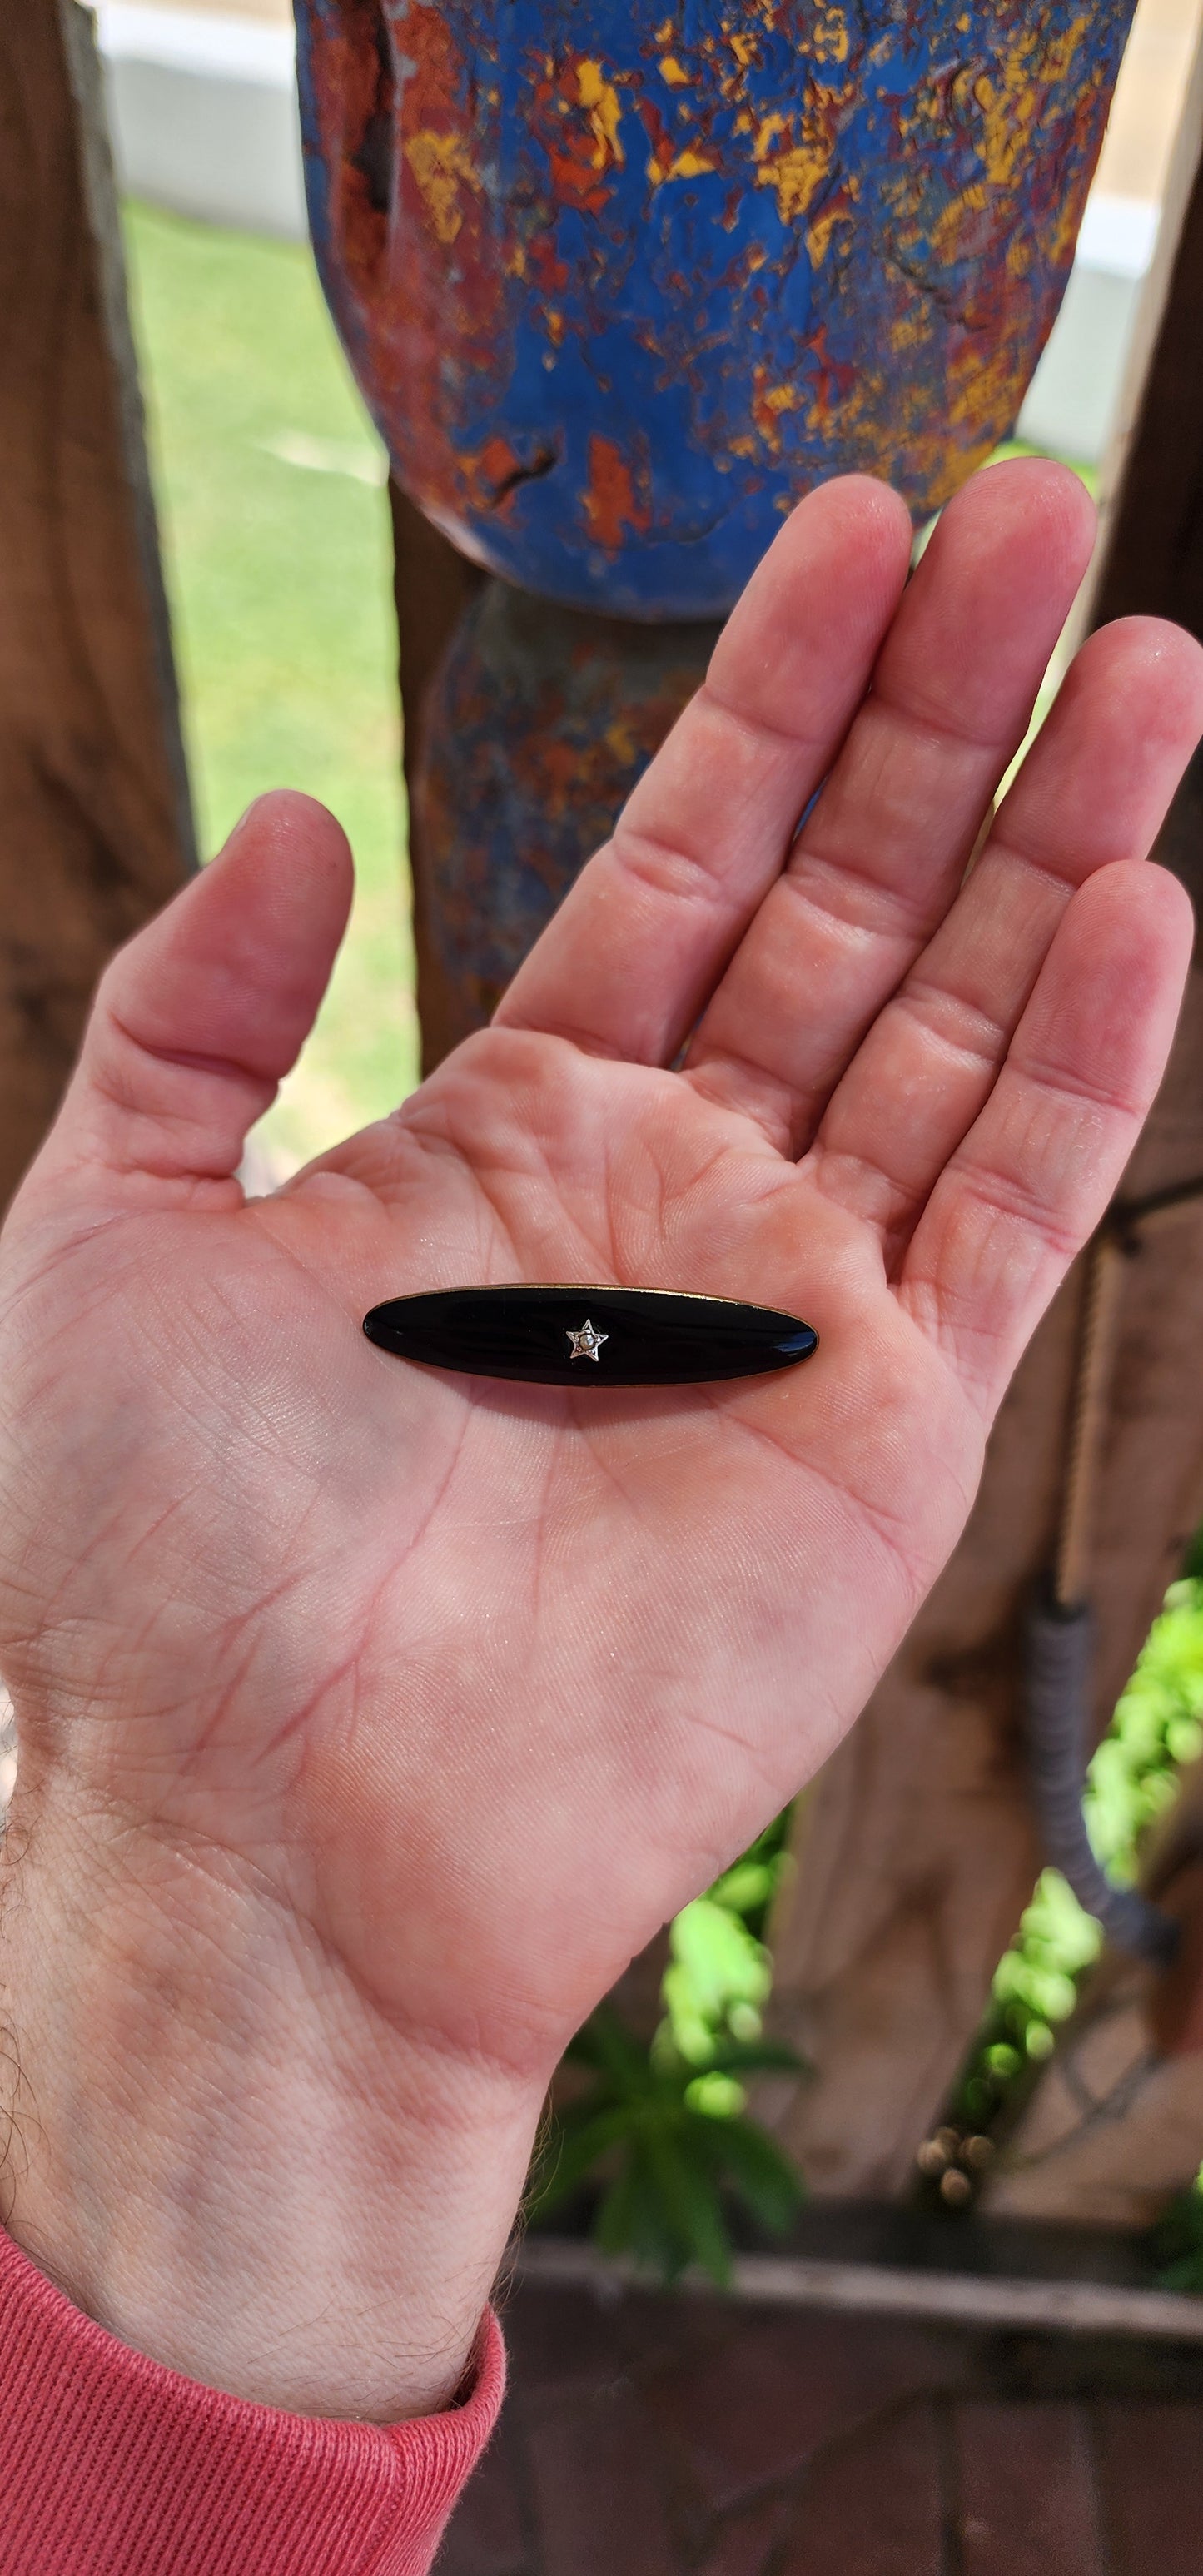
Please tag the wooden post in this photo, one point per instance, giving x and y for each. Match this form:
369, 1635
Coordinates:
619, 289
433, 585
916, 1846
526, 727
1117, 2121
96, 828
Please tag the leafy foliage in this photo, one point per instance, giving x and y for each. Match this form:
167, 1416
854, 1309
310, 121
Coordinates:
666, 2126
1157, 1726
1177, 2241
676, 2146
720, 1975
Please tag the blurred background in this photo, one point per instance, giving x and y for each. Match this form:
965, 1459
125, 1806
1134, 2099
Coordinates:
271, 490
270, 479
833, 2015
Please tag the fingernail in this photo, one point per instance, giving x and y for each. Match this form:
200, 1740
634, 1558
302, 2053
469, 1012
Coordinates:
245, 816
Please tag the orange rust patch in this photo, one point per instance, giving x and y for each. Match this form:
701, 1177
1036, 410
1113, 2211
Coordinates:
611, 502
486, 475
578, 115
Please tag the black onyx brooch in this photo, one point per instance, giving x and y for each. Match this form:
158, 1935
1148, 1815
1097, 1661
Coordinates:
589, 1336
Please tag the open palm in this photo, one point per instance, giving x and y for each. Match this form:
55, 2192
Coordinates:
478, 1682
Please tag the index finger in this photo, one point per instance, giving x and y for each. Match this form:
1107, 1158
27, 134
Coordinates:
636, 948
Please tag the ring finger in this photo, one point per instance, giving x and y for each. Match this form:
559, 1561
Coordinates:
1092, 791
885, 849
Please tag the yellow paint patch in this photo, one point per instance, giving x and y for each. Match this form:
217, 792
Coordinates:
1014, 105
984, 395
796, 172
830, 36
600, 97
670, 71
910, 332
688, 165
1066, 232
769, 402
620, 740
818, 234
795, 176
441, 166
766, 135
946, 234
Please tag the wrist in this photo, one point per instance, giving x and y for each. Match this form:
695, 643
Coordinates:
222, 2152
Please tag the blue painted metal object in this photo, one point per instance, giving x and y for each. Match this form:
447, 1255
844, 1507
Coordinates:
621, 280
536, 729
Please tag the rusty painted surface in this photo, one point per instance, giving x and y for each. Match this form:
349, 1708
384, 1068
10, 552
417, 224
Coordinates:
536, 729
622, 280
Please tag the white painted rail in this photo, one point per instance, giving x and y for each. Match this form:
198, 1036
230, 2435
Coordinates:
203, 112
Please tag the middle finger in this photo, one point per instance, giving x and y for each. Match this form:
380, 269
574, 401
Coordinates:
884, 851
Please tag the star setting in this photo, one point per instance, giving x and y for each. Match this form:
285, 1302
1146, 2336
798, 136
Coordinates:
587, 1343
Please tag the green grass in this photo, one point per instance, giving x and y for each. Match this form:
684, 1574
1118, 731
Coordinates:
279, 575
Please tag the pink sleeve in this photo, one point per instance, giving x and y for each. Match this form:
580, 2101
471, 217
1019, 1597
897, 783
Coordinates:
110, 2464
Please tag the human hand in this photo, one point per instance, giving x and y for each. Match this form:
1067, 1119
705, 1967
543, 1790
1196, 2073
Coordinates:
371, 1718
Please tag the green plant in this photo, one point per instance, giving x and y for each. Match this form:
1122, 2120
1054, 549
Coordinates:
1130, 1782
1035, 1987
1177, 2241
720, 1975
672, 2146
1156, 1727
665, 2126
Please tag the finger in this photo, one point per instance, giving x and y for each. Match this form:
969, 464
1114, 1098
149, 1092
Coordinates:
889, 840
1093, 790
1037, 1168
197, 1019
636, 947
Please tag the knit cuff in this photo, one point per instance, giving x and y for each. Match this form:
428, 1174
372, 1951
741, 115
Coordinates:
111, 2465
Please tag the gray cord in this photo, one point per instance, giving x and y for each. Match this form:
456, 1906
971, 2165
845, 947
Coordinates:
1058, 1645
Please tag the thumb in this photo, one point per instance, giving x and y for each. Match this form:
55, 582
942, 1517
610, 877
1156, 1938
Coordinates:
197, 1020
